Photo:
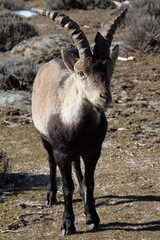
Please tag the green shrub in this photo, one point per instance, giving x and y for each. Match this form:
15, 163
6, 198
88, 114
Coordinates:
12, 4
143, 21
13, 30
17, 73
85, 4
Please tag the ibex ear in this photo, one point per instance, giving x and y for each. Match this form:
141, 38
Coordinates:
114, 54
68, 59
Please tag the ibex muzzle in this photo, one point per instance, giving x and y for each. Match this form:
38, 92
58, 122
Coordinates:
68, 102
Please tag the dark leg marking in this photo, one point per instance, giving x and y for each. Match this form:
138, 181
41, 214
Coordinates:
52, 186
64, 164
90, 162
77, 169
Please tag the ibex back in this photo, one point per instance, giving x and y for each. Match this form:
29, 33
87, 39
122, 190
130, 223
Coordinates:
68, 103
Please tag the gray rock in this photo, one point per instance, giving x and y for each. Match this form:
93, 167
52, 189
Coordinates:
43, 48
15, 99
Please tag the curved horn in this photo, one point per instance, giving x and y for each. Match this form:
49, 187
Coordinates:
102, 44
72, 27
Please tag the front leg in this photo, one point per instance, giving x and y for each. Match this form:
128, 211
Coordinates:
90, 161
64, 164
52, 186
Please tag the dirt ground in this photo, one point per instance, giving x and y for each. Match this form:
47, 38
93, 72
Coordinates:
127, 177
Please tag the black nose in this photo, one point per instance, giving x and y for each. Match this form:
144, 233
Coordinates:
106, 97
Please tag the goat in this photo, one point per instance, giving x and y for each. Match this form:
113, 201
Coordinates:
68, 108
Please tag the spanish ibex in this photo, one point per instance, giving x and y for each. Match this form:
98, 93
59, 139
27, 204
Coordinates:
68, 103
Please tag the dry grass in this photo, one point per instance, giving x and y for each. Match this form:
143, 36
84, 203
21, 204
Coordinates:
127, 176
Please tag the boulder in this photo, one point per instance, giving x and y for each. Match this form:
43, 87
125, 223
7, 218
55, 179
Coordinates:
43, 48
16, 99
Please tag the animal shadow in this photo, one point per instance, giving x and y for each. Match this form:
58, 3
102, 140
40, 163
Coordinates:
146, 226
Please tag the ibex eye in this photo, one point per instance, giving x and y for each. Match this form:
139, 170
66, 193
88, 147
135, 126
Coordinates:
80, 73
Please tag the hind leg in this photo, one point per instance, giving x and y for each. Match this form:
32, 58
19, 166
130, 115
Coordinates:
90, 161
52, 186
77, 170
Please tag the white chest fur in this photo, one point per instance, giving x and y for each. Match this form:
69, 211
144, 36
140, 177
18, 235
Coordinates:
72, 111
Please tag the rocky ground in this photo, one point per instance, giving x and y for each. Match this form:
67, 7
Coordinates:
127, 190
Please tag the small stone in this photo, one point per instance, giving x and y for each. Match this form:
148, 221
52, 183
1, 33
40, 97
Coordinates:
121, 129
136, 137
113, 155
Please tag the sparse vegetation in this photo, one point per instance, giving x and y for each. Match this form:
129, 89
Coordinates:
85, 4
12, 4
146, 7
13, 30
4, 162
17, 73
143, 21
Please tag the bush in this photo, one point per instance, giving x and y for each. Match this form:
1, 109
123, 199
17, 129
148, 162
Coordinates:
17, 74
12, 4
144, 35
13, 30
146, 7
85, 4
143, 21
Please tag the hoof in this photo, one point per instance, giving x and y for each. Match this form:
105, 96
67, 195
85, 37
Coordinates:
68, 232
93, 227
93, 222
67, 228
51, 198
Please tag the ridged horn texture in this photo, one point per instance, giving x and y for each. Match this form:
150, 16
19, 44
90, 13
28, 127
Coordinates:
72, 28
102, 44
